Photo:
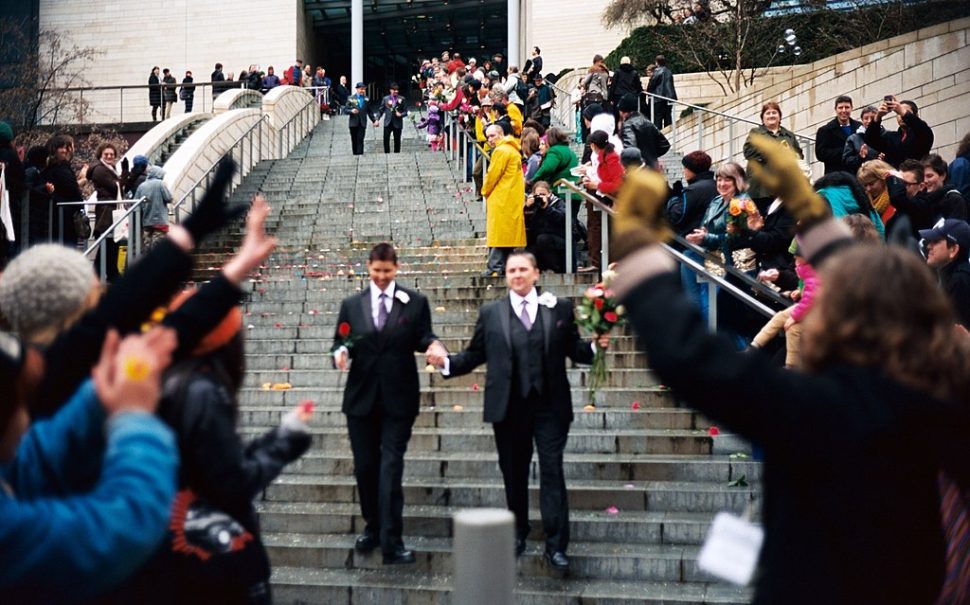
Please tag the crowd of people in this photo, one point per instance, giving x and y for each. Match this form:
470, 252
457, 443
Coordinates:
165, 91
124, 479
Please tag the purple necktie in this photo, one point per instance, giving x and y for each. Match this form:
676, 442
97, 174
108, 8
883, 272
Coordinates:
381, 311
524, 315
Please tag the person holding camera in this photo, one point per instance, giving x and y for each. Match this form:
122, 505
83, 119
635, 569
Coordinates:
545, 225
913, 139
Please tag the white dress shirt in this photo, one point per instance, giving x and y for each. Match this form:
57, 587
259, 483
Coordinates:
375, 294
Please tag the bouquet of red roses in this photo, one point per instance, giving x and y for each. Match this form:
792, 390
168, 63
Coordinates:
598, 312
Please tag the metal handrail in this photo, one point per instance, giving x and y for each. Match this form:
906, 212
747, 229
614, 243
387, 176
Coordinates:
678, 256
174, 211
110, 230
286, 126
100, 244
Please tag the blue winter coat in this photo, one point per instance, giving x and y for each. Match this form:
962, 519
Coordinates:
60, 543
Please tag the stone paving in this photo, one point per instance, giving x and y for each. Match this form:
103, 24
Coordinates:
644, 481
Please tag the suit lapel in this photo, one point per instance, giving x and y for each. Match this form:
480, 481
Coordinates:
365, 306
397, 307
503, 318
547, 325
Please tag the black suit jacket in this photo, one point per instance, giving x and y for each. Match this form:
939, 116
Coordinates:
492, 344
830, 144
388, 108
383, 368
361, 118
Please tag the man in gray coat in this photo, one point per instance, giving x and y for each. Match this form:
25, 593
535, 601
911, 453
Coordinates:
662, 83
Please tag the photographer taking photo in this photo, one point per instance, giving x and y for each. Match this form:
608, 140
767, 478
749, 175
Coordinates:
545, 224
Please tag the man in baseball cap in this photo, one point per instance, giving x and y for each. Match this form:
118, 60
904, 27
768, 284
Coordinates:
947, 248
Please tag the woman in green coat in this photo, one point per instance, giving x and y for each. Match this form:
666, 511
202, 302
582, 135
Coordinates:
770, 127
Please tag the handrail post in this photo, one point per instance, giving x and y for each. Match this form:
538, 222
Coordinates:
732, 144
60, 222
50, 220
103, 258
673, 127
604, 240
712, 306
569, 231
700, 132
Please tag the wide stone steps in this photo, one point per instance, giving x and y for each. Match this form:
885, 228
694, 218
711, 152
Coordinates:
358, 587
657, 496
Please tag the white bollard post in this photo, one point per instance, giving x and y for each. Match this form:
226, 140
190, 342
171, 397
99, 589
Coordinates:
484, 557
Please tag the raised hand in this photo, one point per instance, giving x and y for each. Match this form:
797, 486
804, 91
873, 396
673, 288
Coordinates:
127, 377
782, 176
256, 246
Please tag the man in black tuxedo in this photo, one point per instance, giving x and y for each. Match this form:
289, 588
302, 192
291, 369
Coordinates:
525, 339
387, 324
393, 108
359, 110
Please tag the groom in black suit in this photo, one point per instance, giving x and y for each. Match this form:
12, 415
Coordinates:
525, 339
393, 108
387, 325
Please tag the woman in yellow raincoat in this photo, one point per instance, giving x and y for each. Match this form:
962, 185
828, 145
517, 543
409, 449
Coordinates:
504, 191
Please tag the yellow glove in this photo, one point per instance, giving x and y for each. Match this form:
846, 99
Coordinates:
639, 213
783, 177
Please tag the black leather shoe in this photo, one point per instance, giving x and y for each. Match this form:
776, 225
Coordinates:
558, 560
519, 546
366, 542
401, 556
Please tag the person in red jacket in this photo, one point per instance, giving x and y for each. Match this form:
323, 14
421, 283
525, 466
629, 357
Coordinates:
606, 180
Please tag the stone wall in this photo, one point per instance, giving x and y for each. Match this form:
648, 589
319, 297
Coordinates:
930, 66
178, 34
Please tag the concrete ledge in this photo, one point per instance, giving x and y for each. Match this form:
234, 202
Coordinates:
237, 98
155, 138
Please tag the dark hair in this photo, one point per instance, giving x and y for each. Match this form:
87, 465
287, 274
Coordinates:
218, 65
847, 180
601, 140
912, 105
914, 166
536, 48
697, 161
914, 315
544, 184
103, 146
555, 136
37, 156
660, 60
597, 59
166, 70
530, 143
524, 254
868, 109
843, 99
383, 252
770, 105
935, 163
154, 68
539, 128
57, 141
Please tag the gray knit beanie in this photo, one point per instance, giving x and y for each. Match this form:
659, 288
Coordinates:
43, 287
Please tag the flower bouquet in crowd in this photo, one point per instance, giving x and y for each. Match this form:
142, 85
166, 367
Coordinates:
739, 209
598, 313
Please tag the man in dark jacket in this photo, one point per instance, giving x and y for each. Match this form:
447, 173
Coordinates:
380, 329
637, 131
393, 108
947, 249
662, 83
830, 138
687, 205
626, 81
545, 227
912, 141
856, 152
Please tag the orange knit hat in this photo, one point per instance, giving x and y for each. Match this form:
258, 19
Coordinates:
220, 335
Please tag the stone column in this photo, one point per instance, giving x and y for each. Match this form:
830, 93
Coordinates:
513, 34
357, 41
484, 557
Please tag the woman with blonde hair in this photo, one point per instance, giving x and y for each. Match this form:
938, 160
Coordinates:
872, 176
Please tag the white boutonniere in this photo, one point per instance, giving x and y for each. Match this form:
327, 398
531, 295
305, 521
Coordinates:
548, 299
402, 296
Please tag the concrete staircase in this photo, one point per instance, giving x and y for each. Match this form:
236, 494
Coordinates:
643, 483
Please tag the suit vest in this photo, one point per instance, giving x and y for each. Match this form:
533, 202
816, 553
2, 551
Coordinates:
528, 348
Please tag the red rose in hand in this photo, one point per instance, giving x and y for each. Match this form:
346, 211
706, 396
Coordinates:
598, 303
343, 329
610, 316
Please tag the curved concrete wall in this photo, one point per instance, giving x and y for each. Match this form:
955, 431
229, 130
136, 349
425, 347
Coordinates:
154, 139
214, 139
237, 98
292, 112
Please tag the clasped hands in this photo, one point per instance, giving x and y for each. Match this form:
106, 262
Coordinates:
436, 354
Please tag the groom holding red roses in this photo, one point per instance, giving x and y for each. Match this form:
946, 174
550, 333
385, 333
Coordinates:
379, 330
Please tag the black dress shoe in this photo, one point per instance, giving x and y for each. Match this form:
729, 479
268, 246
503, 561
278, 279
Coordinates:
519, 546
401, 556
558, 560
366, 542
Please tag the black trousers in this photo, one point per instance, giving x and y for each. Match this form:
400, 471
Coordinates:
110, 258
661, 113
387, 139
378, 443
550, 252
528, 420
357, 134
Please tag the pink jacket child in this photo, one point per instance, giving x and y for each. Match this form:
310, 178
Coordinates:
790, 319
809, 289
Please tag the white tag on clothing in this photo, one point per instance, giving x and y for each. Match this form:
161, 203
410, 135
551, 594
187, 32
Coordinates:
731, 549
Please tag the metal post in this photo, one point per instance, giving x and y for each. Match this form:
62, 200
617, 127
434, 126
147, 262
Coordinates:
673, 128
484, 557
604, 239
569, 230
700, 132
732, 144
712, 306
24, 221
60, 222
121, 105
50, 220
135, 237
103, 256
653, 109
